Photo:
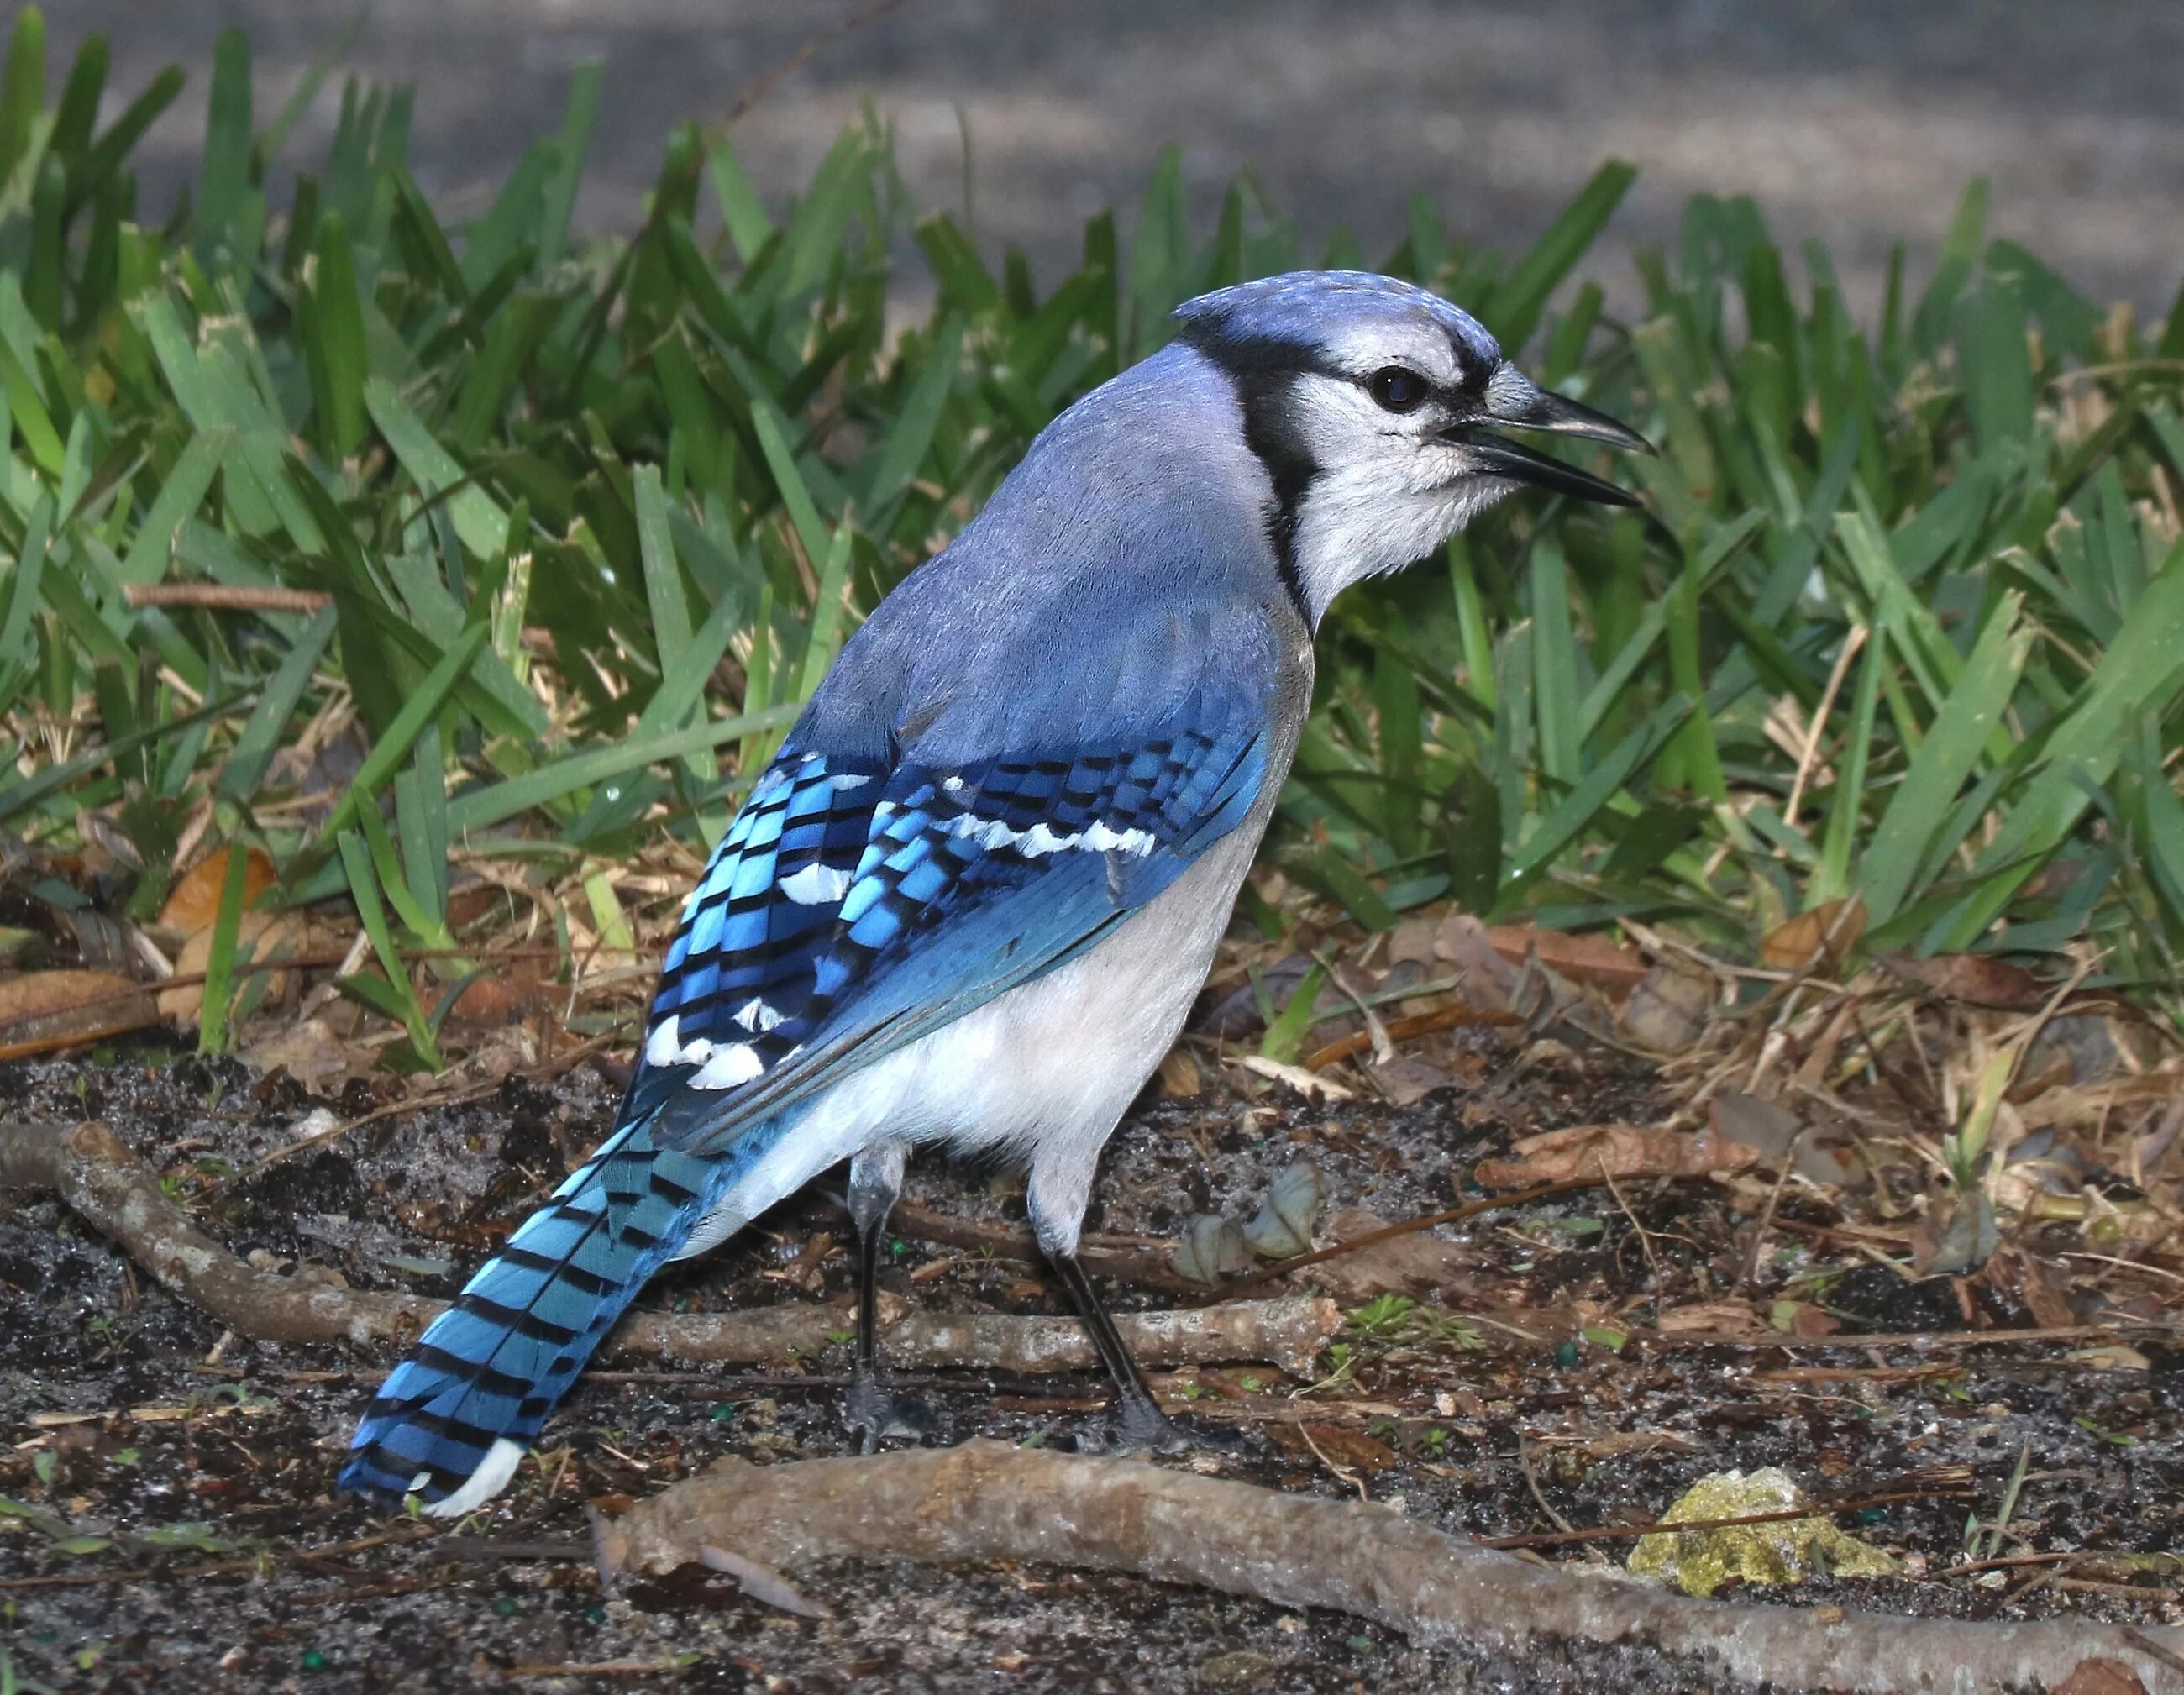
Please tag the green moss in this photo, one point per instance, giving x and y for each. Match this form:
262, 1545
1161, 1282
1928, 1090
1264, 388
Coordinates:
1788, 1551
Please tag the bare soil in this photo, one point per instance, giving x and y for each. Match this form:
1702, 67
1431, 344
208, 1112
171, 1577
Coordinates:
199, 1476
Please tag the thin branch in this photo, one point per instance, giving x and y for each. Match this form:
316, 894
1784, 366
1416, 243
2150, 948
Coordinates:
1141, 1261
1407, 1029
1812, 750
104, 1182
1539, 1496
984, 1503
810, 44
226, 597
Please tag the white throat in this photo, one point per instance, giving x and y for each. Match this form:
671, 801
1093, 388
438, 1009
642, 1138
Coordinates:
1386, 491
1367, 519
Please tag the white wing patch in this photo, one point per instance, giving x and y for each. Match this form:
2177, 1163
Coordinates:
1040, 839
756, 1016
727, 1065
817, 885
665, 1044
721, 1065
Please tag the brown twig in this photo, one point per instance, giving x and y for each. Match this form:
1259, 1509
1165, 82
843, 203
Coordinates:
1538, 1494
103, 1181
1117, 1256
1750, 1275
1918, 1339
2164, 1651
217, 1568
803, 50
985, 1502
226, 597
1407, 1030
301, 962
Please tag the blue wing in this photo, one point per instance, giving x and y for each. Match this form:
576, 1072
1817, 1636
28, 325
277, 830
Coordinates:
1035, 734
853, 909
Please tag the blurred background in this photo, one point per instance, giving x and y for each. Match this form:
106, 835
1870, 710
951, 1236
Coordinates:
1857, 121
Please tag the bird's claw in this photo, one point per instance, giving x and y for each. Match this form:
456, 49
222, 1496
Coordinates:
872, 1414
1141, 1427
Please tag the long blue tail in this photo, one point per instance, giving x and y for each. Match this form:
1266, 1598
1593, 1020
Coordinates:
451, 1420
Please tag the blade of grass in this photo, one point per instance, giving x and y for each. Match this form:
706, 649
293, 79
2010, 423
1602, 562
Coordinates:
1951, 750
2142, 672
364, 889
393, 747
480, 807
219, 962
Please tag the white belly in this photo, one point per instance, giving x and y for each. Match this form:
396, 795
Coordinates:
1040, 1073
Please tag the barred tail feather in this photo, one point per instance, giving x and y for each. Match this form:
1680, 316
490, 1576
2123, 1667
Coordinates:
453, 1419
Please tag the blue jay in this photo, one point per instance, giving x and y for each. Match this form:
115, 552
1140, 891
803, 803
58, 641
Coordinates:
972, 900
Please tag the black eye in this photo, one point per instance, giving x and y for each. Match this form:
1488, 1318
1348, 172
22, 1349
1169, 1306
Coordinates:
1397, 389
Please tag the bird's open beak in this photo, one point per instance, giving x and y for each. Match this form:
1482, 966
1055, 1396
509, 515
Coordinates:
1515, 402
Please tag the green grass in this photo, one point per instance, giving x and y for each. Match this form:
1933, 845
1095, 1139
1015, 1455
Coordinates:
594, 516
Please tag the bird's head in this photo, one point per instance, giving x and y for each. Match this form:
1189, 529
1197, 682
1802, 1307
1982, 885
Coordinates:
1375, 407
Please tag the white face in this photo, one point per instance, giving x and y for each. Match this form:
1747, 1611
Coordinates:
1393, 484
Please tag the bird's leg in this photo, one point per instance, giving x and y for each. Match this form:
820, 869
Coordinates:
874, 1186
1138, 1420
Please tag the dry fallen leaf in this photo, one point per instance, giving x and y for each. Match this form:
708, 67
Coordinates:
2101, 1677
309, 1051
194, 903
1667, 1011
1417, 1263
262, 935
1591, 959
1802, 1319
1310, 1084
1829, 930
1617, 1151
2110, 1357
1973, 978
48, 1010
498, 998
1483, 977
1710, 1319
1350, 1450
1180, 1076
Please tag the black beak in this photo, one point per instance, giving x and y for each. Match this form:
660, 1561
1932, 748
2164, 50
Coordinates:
1513, 401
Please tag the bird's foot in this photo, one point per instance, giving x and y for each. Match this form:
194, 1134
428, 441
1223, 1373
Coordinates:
1141, 1427
872, 1413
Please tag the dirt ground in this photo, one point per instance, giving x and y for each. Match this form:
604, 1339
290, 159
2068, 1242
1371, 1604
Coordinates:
231, 1447
1856, 121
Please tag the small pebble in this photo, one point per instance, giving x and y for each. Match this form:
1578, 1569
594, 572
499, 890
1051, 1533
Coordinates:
1238, 1671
